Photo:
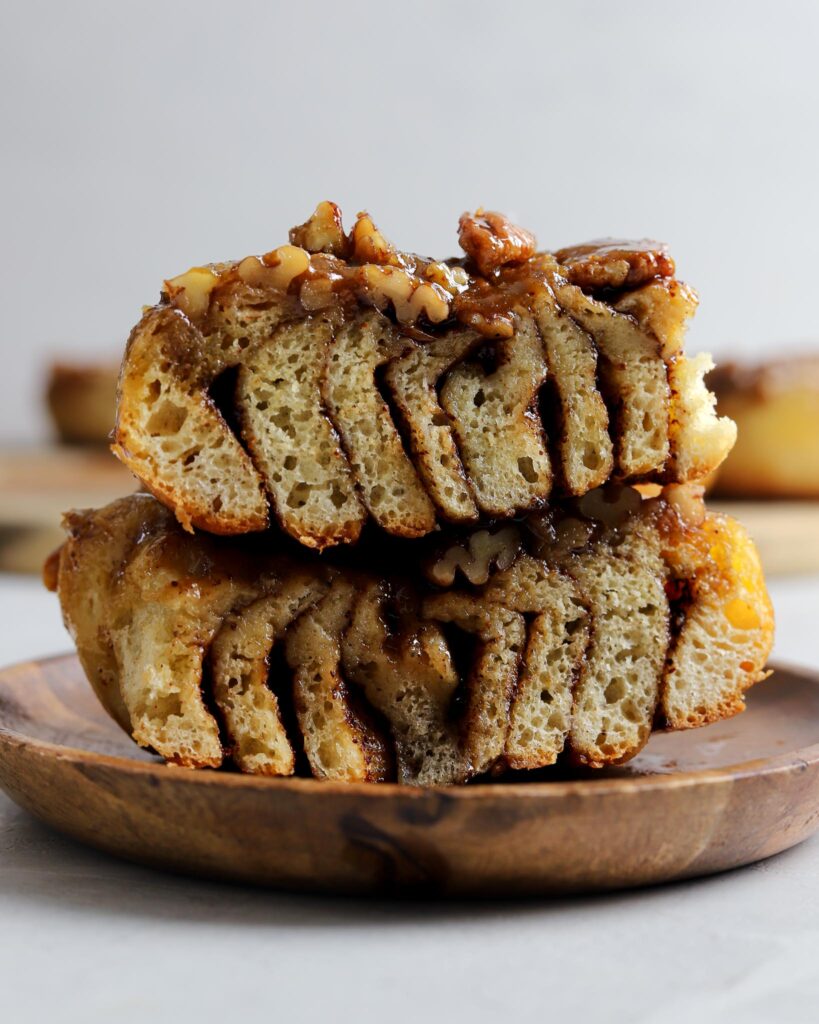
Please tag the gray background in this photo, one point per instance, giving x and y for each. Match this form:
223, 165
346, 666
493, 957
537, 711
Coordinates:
139, 139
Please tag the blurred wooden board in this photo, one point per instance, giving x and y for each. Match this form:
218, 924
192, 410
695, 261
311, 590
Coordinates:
39, 484
786, 532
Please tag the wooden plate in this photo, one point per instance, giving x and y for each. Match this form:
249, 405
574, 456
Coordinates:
692, 803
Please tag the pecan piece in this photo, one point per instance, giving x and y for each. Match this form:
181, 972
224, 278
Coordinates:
491, 241
615, 263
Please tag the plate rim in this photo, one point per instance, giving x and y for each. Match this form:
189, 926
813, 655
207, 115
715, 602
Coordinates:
560, 788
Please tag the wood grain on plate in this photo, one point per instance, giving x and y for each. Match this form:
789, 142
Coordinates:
692, 803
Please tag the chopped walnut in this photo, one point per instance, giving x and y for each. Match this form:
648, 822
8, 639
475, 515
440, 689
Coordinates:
410, 297
476, 557
452, 279
491, 241
253, 272
191, 291
615, 263
276, 269
323, 232
288, 261
368, 244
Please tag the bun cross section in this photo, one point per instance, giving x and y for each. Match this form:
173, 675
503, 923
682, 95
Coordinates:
336, 381
571, 637
415, 520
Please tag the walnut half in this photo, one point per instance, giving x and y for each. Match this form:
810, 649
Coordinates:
191, 291
323, 232
476, 557
409, 296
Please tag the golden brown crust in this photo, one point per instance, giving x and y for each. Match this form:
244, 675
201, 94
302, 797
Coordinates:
412, 379
500, 639
387, 480
406, 672
155, 404
341, 739
728, 626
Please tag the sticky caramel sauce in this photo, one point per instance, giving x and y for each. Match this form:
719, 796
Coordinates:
499, 277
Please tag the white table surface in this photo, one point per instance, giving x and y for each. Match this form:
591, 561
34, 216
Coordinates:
86, 938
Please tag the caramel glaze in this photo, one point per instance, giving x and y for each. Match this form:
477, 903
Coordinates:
500, 275
615, 263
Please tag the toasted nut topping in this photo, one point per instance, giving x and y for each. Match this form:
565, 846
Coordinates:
492, 324
323, 232
410, 298
369, 245
287, 263
491, 241
476, 557
191, 292
452, 279
614, 263
253, 272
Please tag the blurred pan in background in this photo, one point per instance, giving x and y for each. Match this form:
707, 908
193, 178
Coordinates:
771, 478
